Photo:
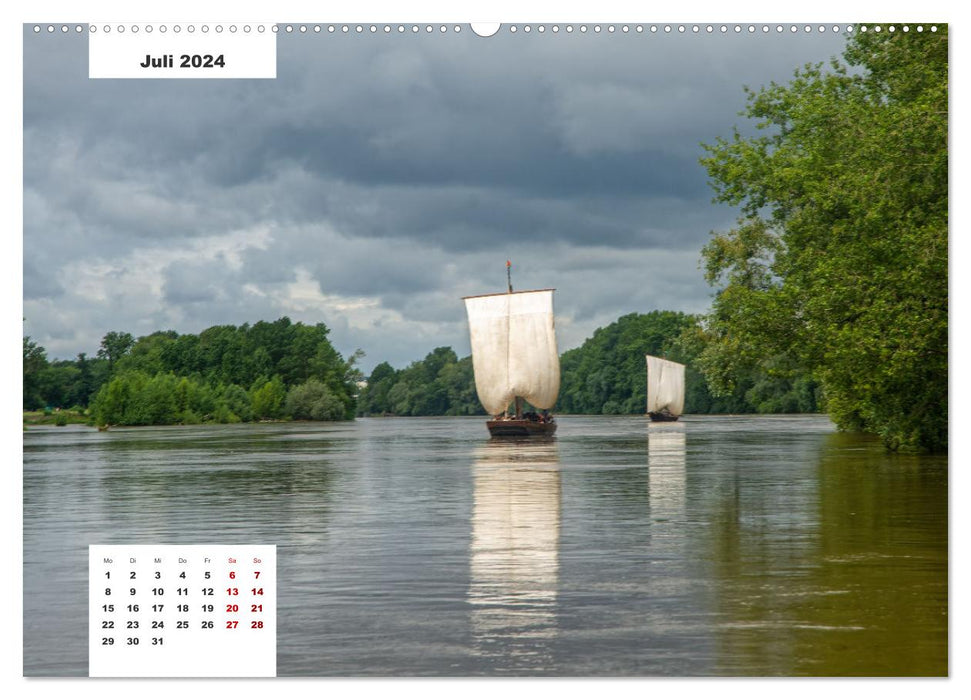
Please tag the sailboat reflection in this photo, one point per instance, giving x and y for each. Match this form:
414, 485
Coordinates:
514, 558
666, 472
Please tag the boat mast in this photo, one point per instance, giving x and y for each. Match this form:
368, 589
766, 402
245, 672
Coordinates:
518, 400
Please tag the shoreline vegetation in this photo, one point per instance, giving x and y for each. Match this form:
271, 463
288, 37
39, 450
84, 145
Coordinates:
226, 374
58, 417
830, 294
290, 371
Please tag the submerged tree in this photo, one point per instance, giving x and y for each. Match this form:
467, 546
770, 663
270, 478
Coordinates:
839, 260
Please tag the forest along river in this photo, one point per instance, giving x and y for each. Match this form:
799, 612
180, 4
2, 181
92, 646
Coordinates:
742, 545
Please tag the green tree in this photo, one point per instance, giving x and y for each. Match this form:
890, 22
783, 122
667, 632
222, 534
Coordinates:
458, 380
374, 397
774, 387
267, 397
91, 375
155, 402
183, 355
58, 384
838, 266
312, 400
232, 404
438, 385
147, 354
114, 346
35, 361
401, 398
133, 397
115, 402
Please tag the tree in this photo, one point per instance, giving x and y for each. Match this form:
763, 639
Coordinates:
267, 397
117, 401
438, 385
91, 375
232, 404
114, 346
459, 382
312, 400
58, 384
35, 361
838, 265
374, 396
148, 354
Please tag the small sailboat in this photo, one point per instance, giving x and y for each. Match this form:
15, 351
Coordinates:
665, 389
514, 358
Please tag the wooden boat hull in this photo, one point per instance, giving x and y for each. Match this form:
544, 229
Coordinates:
520, 428
663, 417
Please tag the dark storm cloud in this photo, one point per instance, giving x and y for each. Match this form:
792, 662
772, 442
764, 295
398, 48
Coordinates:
378, 179
461, 218
539, 168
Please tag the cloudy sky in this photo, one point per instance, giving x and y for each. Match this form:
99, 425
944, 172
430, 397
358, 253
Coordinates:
379, 179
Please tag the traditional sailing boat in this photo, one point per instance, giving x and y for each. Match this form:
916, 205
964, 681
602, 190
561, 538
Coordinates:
514, 357
665, 389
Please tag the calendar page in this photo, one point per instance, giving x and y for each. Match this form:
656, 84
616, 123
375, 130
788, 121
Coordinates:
183, 611
402, 344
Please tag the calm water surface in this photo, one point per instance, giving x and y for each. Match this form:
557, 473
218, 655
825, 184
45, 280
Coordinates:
764, 545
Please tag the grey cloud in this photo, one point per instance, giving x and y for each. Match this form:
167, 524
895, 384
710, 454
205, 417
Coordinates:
402, 170
193, 283
40, 283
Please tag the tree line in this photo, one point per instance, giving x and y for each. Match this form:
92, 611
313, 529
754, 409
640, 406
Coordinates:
226, 374
607, 374
280, 370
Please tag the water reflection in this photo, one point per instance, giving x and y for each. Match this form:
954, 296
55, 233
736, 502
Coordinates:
514, 558
761, 503
215, 483
831, 561
881, 555
666, 472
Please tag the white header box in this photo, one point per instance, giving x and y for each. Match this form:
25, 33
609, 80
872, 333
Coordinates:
140, 51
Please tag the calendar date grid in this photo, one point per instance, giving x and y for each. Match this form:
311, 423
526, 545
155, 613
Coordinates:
207, 610
148, 605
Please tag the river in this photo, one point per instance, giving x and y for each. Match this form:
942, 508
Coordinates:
715, 546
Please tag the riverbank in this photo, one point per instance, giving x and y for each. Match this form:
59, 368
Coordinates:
61, 417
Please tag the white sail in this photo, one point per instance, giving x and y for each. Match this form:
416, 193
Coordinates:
665, 386
514, 349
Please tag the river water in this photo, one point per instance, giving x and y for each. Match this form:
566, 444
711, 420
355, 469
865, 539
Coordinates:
715, 546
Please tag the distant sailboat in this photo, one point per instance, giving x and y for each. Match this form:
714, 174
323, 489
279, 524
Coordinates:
514, 357
665, 389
